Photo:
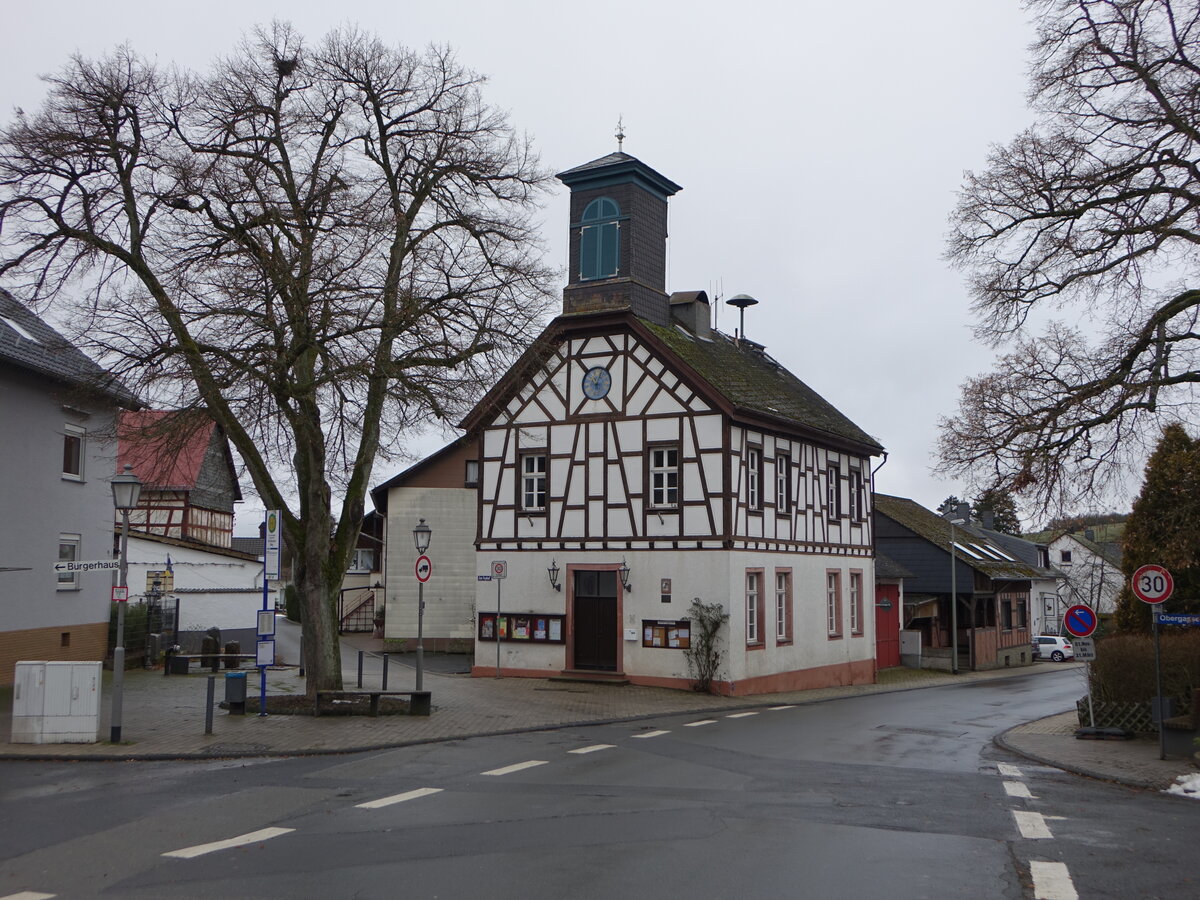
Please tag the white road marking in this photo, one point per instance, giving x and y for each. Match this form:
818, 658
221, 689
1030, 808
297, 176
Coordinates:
1052, 881
741, 715
593, 748
1018, 789
253, 837
1010, 771
700, 722
647, 734
515, 767
1031, 825
397, 798
781, 707
28, 895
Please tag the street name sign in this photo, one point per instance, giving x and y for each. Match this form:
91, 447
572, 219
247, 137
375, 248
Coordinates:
1152, 584
89, 565
483, 577
1085, 649
1080, 621
1184, 619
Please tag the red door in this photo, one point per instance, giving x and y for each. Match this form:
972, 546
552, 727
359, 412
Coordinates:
887, 625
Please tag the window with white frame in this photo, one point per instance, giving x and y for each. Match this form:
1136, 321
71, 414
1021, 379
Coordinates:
833, 603
363, 560
73, 452
858, 504
856, 603
753, 608
68, 551
664, 476
783, 483
533, 481
754, 478
833, 501
783, 605
471, 476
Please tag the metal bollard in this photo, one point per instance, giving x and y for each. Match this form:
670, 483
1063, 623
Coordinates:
360, 656
385, 668
302, 656
208, 707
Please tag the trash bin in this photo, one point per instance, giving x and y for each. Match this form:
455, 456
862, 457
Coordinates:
179, 665
235, 692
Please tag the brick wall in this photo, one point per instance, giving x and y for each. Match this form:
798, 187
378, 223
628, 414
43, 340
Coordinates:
86, 642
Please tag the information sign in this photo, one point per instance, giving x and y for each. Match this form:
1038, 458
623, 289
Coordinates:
264, 653
120, 594
499, 569
1085, 649
1152, 584
1080, 621
271, 544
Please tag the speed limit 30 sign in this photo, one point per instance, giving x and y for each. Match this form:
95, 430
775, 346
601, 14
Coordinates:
1152, 584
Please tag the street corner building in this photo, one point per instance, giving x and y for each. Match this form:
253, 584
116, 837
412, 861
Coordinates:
636, 460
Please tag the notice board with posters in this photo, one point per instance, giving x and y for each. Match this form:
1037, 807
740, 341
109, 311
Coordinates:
533, 628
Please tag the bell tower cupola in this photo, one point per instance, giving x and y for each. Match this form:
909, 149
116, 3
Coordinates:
618, 249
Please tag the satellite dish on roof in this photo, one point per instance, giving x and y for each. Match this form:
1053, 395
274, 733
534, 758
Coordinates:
741, 301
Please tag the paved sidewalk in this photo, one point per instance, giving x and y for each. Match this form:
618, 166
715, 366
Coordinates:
164, 716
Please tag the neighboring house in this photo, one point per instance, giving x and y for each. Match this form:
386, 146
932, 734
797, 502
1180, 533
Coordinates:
360, 600
635, 460
58, 444
1045, 588
1090, 563
443, 490
185, 514
991, 584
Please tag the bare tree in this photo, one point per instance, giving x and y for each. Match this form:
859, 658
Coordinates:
320, 245
1096, 208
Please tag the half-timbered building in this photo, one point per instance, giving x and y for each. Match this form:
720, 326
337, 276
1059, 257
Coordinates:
636, 459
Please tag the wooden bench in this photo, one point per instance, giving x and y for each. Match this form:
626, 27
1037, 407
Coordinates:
418, 701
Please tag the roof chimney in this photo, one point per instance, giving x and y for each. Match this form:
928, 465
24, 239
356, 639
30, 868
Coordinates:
690, 309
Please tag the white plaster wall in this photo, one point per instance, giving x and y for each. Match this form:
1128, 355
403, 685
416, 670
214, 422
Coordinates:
37, 504
450, 591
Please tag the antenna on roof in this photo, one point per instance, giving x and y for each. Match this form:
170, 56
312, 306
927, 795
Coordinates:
741, 301
620, 132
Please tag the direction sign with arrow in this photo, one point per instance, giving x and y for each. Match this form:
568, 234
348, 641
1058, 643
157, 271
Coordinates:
91, 565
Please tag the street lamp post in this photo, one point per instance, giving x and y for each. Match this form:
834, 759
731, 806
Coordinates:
126, 489
957, 517
421, 536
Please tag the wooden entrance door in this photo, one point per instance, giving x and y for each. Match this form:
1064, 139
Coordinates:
595, 620
887, 626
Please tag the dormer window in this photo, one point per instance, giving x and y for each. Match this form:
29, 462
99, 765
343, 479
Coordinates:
599, 240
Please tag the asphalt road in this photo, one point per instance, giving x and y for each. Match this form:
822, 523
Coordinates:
900, 795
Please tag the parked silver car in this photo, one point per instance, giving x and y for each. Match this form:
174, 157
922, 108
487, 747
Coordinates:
1051, 646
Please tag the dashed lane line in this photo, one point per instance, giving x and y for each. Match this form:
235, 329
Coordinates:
397, 798
593, 748
1031, 825
1018, 789
773, 708
515, 767
650, 734
700, 722
1052, 881
741, 715
253, 837
1009, 771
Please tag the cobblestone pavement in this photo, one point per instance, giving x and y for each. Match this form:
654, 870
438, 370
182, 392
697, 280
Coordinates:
164, 717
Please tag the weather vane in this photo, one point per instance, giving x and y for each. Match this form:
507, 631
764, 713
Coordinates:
620, 133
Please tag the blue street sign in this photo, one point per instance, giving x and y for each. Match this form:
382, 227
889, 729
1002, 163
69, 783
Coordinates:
1178, 619
1080, 621
483, 577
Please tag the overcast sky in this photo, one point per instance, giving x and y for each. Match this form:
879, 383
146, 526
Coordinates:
819, 146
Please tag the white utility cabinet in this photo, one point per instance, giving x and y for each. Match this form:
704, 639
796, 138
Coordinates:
56, 703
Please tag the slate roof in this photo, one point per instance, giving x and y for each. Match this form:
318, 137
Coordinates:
52, 355
752, 381
935, 529
887, 568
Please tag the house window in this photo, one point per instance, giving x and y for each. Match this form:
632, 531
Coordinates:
664, 476
856, 603
783, 606
533, 481
599, 240
68, 551
754, 478
363, 560
1006, 613
754, 607
1022, 612
1065, 556
833, 500
858, 505
833, 603
783, 484
73, 452
472, 473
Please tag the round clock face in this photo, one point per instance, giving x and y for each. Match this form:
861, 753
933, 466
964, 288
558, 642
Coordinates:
596, 382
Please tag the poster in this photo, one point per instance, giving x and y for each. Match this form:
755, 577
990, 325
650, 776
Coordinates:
556, 629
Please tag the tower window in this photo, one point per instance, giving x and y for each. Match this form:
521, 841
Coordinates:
599, 240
